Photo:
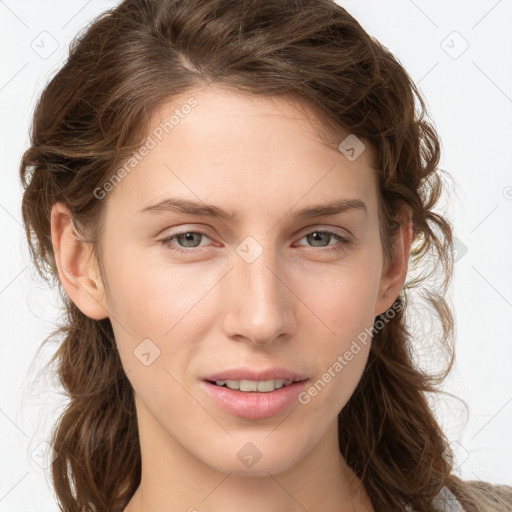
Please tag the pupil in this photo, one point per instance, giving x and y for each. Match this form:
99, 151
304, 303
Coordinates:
317, 234
189, 237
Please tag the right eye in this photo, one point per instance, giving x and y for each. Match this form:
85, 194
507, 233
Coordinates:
182, 237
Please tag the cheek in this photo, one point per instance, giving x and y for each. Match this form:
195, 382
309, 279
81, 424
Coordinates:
341, 298
149, 296
163, 311
343, 304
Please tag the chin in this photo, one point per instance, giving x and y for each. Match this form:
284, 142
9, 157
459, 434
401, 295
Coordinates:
256, 457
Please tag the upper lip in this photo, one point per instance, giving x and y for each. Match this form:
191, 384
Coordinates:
252, 374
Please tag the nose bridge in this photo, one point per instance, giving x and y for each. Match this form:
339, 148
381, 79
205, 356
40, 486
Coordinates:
261, 307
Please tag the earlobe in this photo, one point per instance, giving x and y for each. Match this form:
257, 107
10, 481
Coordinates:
393, 278
76, 266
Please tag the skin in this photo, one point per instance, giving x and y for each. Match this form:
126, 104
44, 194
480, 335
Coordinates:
295, 306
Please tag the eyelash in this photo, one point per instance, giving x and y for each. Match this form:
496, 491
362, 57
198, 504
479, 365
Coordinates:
345, 241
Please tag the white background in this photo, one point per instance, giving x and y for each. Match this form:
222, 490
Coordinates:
469, 96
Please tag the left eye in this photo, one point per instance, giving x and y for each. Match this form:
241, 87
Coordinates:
327, 235
188, 237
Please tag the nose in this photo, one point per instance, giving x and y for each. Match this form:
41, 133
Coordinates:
260, 303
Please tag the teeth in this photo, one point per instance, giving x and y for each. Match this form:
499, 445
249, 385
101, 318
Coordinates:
263, 386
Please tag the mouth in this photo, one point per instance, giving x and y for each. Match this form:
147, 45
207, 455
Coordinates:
254, 400
255, 386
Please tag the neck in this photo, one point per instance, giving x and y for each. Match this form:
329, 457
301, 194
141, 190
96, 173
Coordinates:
174, 480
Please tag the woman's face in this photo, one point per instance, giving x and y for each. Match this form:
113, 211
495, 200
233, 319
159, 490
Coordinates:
266, 289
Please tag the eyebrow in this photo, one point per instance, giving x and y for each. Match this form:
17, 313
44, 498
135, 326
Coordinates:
202, 209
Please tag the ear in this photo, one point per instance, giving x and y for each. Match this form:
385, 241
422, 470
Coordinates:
76, 265
393, 277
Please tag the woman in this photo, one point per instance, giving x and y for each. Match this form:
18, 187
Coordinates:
267, 365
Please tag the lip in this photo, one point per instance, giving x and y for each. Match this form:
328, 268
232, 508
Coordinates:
251, 374
252, 404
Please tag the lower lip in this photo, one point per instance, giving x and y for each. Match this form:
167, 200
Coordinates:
254, 405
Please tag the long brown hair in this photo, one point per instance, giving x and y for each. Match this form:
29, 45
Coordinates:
92, 116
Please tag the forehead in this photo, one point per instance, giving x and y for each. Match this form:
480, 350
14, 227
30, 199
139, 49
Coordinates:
220, 145
222, 109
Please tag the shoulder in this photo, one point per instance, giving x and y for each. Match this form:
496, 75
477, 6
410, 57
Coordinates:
446, 501
476, 496
490, 497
